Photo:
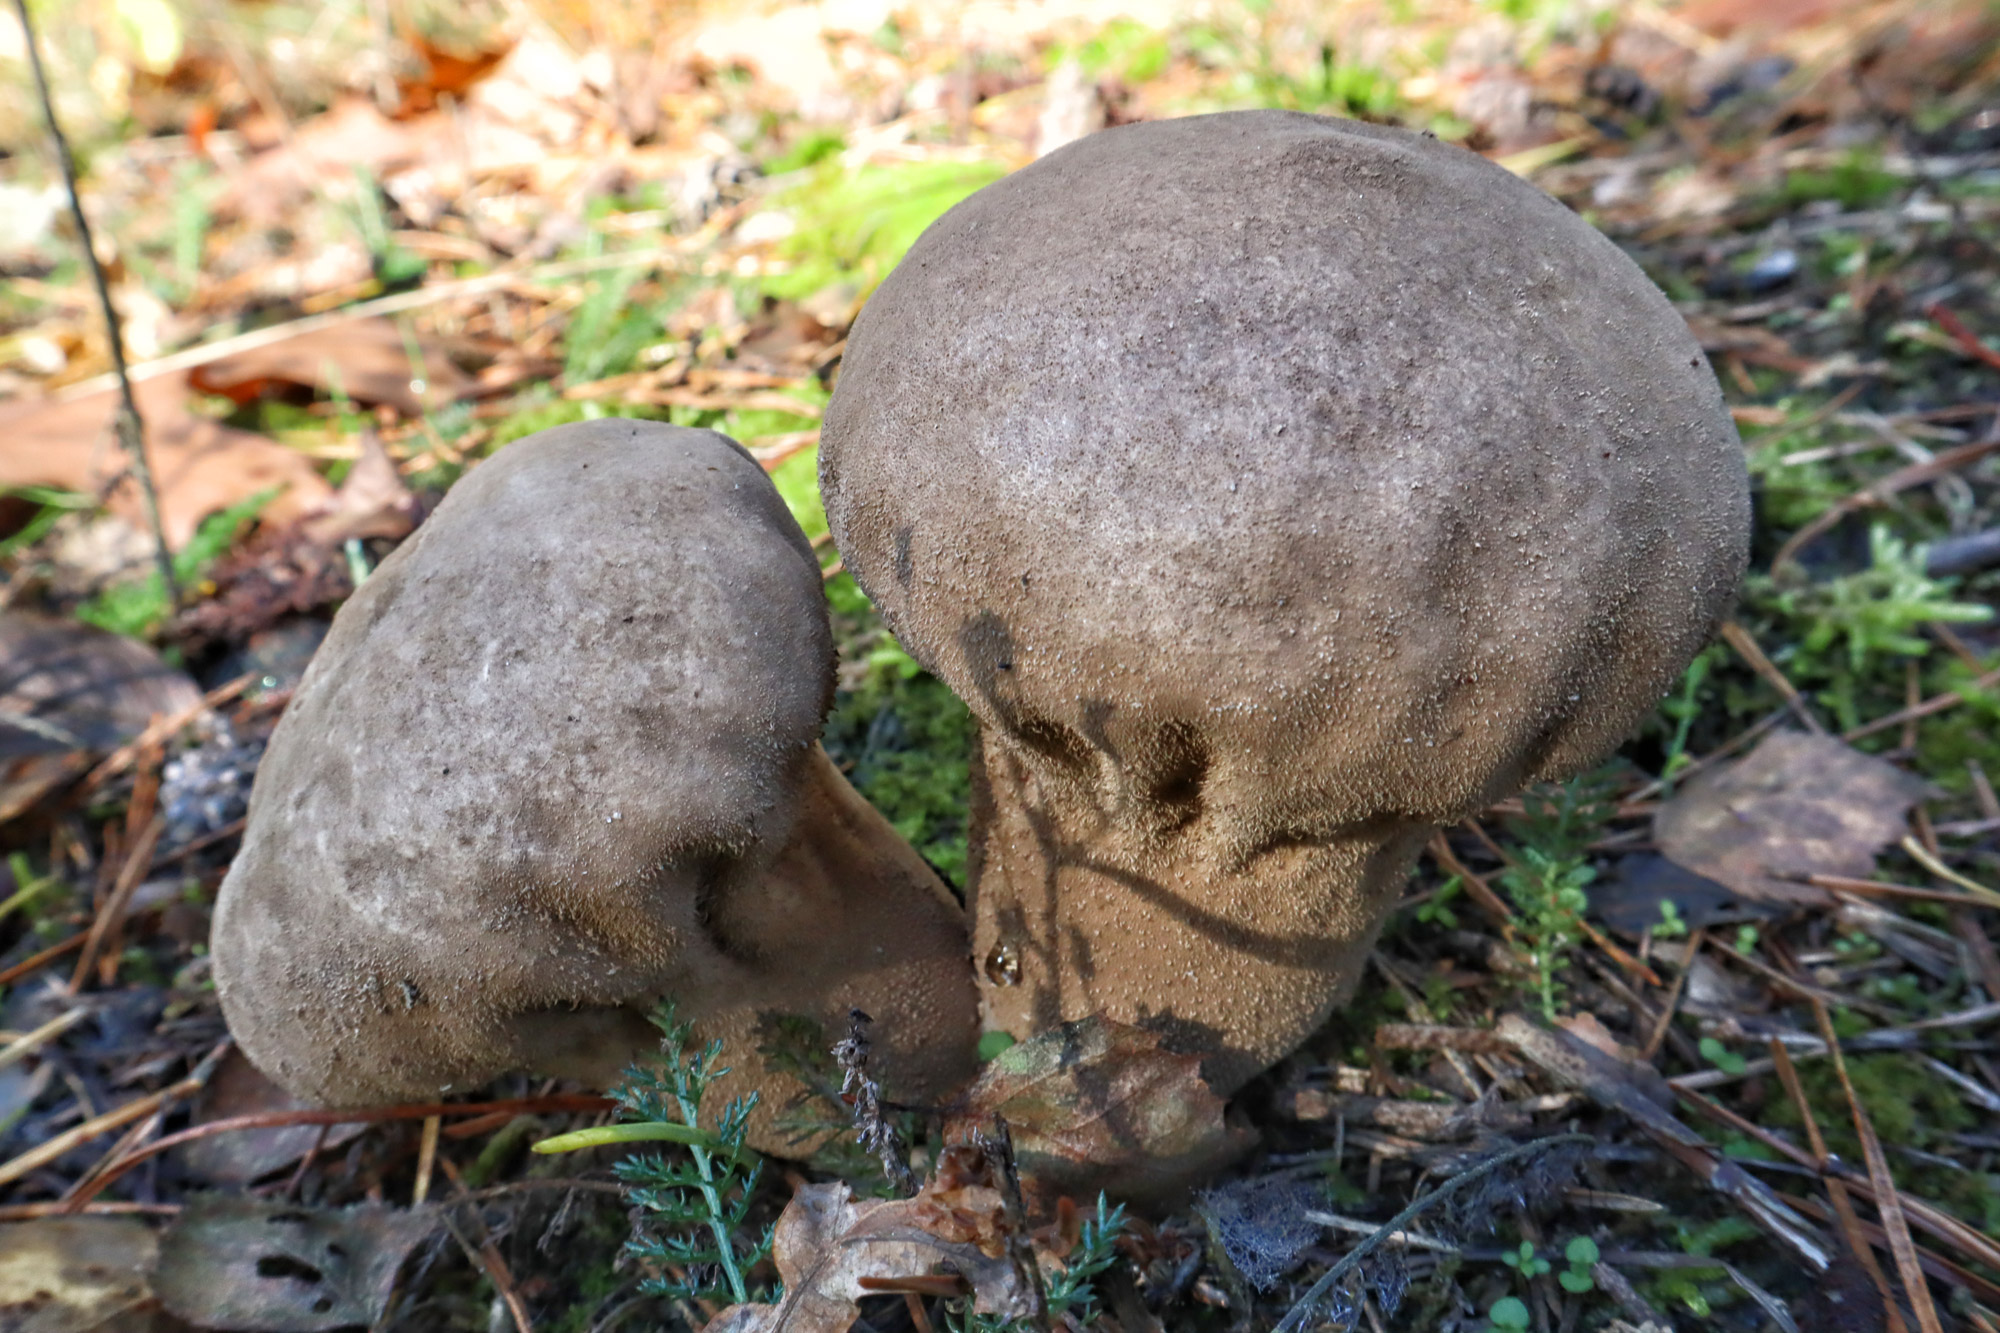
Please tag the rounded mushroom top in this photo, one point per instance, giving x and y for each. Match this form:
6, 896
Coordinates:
1262, 450
542, 751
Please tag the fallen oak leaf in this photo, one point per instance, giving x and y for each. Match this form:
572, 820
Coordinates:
200, 465
368, 360
1095, 1099
372, 500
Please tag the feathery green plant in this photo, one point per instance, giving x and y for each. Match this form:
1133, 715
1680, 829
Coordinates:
1072, 1293
700, 1200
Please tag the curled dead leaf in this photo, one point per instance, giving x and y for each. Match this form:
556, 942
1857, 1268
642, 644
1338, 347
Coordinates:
1095, 1104
831, 1251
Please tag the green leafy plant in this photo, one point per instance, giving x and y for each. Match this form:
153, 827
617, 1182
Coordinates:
1508, 1312
1581, 1256
1728, 1061
1841, 628
1436, 910
28, 885
393, 264
608, 331
1672, 925
1550, 871
134, 608
1523, 1260
52, 505
701, 1199
1682, 709
1874, 612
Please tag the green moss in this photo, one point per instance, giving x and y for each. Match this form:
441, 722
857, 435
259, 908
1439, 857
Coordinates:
906, 742
1905, 1101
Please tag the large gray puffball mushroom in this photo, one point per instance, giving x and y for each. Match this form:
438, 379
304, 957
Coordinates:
1274, 489
556, 760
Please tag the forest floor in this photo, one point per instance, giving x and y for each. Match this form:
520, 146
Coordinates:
1743, 977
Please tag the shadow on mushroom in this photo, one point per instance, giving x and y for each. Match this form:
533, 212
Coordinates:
556, 760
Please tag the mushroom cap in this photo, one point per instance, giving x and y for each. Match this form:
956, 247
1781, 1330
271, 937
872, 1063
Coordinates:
1272, 488
541, 774
1334, 432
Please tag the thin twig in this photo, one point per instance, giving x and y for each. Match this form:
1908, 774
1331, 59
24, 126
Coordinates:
1843, 1202
131, 428
1751, 652
1888, 1200
1937, 704
117, 1118
35, 962
367, 1116
1301, 1311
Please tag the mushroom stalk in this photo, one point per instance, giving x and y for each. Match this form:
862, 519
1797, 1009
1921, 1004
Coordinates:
1075, 912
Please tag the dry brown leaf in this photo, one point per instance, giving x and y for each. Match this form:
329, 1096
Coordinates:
1797, 805
326, 151
69, 691
372, 501
76, 1275
828, 1249
369, 360
447, 75
247, 1156
270, 1266
200, 465
1096, 1099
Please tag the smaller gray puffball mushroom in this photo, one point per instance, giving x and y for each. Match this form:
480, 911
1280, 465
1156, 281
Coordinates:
1274, 489
557, 759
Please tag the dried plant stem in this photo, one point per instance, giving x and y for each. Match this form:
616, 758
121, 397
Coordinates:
131, 430
1295, 1317
1843, 1203
1888, 1202
116, 1118
367, 1115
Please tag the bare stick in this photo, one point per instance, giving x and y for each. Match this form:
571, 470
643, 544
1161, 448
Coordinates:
131, 430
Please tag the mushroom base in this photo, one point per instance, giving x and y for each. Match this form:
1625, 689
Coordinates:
1076, 912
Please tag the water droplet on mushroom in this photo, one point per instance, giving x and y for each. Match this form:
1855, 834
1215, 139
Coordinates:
1003, 965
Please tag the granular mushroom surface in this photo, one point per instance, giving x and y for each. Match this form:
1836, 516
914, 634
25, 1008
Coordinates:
1274, 489
557, 760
